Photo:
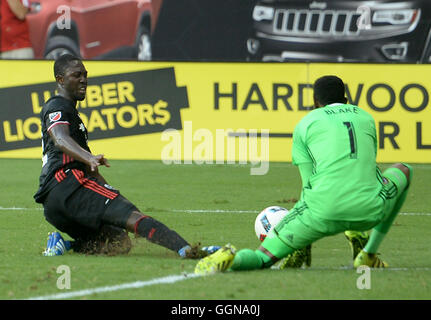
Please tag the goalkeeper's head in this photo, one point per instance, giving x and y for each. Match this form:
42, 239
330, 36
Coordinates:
328, 90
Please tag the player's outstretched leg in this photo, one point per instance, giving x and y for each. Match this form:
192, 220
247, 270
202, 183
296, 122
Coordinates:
228, 258
396, 189
246, 259
158, 233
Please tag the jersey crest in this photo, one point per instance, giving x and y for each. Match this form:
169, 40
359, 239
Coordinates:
55, 116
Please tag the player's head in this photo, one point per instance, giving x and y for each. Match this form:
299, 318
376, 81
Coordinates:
71, 77
327, 90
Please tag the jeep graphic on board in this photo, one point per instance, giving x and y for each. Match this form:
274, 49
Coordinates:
93, 29
341, 31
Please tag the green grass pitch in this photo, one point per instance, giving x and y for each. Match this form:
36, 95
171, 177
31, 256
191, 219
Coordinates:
214, 205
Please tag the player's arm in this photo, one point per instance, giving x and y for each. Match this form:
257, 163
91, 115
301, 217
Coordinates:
62, 140
305, 170
96, 174
301, 156
374, 135
18, 9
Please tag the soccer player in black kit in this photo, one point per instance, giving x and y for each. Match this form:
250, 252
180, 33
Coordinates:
76, 198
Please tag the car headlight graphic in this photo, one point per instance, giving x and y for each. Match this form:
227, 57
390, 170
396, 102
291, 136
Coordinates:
263, 13
395, 17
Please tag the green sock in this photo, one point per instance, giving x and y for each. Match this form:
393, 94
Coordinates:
380, 231
373, 244
247, 259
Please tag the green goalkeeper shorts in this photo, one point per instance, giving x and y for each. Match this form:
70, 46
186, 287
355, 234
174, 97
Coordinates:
300, 228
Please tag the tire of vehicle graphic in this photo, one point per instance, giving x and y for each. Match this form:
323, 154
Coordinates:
143, 44
60, 45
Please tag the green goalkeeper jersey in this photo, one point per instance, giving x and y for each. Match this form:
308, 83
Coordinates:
340, 141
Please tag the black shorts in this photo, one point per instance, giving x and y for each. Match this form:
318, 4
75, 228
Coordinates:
80, 205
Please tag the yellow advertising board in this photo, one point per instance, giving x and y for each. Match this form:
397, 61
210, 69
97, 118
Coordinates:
214, 112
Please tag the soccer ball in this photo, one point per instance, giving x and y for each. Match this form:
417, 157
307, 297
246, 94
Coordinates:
267, 219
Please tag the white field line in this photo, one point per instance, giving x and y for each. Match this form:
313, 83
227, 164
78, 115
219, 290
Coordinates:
176, 278
18, 209
210, 211
130, 285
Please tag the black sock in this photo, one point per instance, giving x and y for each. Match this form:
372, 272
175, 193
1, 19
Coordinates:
158, 233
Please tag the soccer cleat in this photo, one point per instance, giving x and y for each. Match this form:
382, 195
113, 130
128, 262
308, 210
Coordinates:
296, 259
219, 261
196, 252
369, 259
357, 241
56, 245
210, 249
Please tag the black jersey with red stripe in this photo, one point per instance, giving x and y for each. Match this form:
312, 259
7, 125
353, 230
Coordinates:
58, 110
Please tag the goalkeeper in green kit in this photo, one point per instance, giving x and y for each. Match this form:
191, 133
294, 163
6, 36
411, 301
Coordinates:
335, 148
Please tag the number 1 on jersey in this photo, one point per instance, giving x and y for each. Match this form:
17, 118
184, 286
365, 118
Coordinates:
352, 139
